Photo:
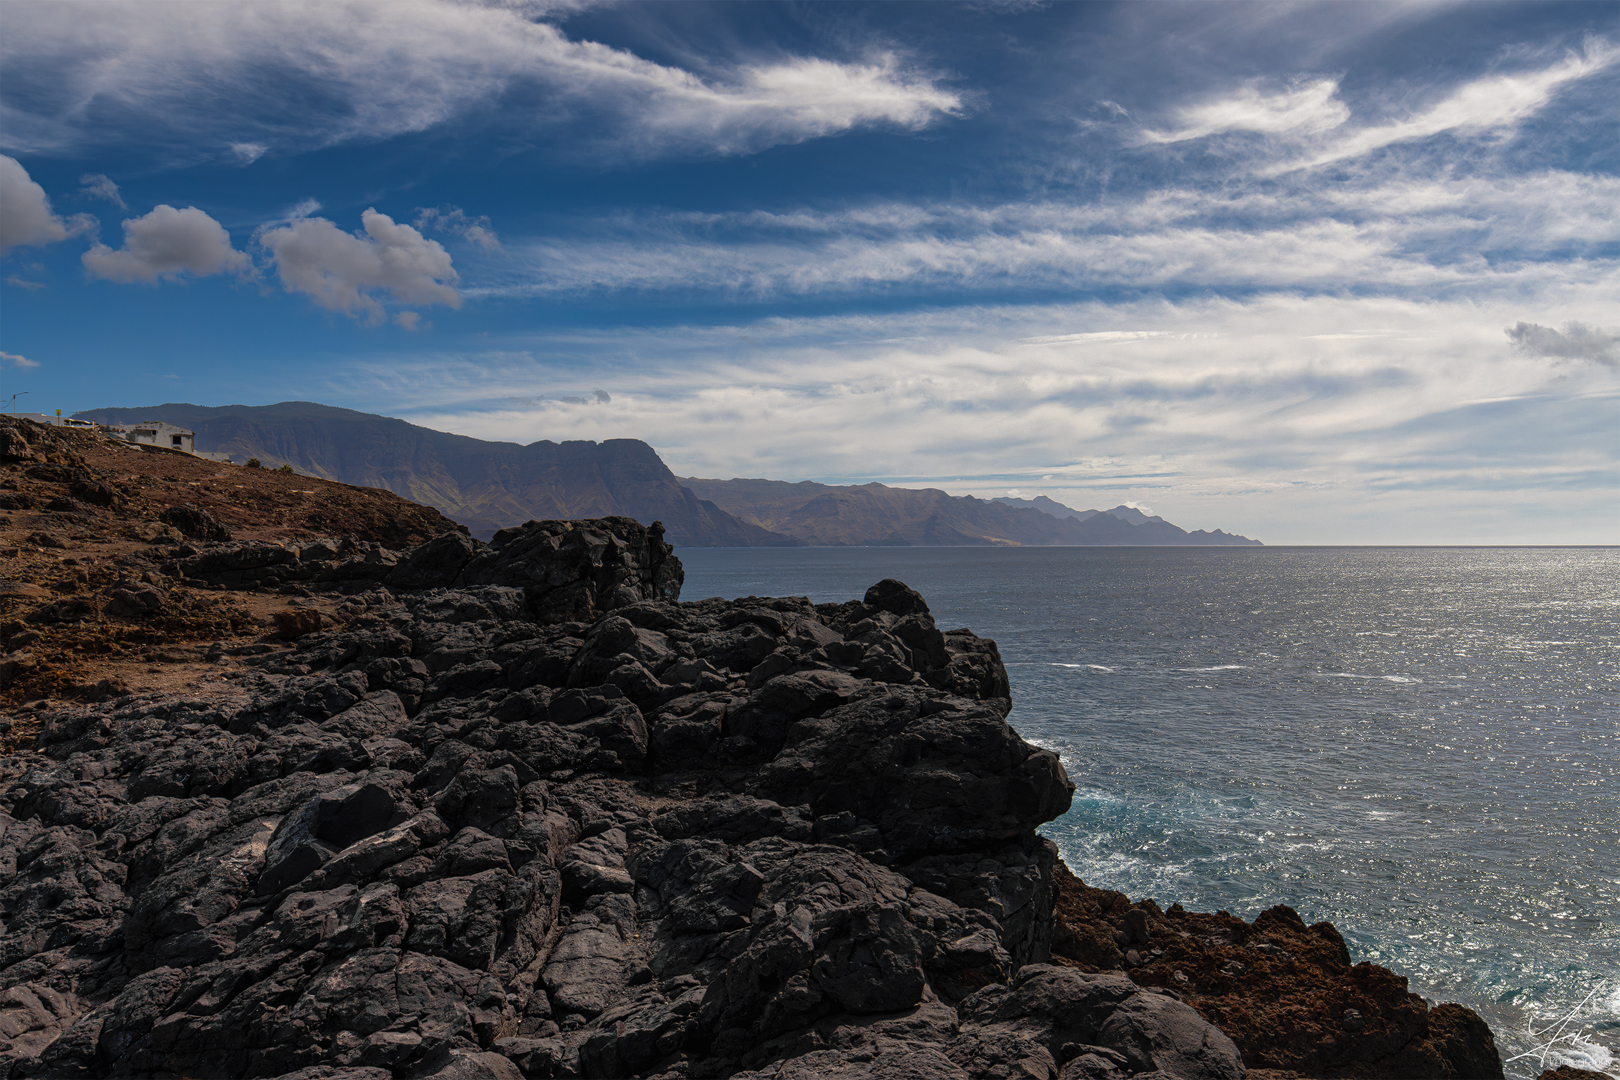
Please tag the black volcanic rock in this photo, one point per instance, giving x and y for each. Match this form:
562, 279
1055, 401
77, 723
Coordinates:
657, 838
486, 486
555, 822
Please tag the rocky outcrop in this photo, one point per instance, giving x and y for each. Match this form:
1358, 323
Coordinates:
530, 815
565, 569
523, 813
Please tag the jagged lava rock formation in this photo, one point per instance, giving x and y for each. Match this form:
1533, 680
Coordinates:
525, 814
531, 816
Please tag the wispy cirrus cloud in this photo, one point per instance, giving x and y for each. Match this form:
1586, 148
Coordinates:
1309, 109
1484, 106
1312, 125
1391, 233
305, 74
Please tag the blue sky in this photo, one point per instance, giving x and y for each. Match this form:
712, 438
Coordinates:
1317, 273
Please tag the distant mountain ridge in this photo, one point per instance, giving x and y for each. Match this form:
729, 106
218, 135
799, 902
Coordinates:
1129, 514
827, 515
484, 485
1048, 506
492, 485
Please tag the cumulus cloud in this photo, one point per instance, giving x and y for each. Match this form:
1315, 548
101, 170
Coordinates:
17, 361
26, 217
346, 272
167, 243
369, 69
100, 186
1577, 341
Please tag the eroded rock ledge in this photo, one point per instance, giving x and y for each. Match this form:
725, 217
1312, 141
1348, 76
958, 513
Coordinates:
528, 815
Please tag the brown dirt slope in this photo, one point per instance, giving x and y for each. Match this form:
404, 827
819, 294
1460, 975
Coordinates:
84, 521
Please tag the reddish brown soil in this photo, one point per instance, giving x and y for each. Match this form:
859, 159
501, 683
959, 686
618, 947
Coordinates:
102, 539
1570, 1072
1286, 993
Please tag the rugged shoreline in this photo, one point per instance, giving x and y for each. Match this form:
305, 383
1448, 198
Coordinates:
515, 810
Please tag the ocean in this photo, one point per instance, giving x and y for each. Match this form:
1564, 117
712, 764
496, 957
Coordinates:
1420, 745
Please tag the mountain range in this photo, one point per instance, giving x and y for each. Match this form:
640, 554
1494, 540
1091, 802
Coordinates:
825, 515
491, 485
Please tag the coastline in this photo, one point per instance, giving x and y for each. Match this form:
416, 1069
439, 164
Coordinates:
587, 861
599, 832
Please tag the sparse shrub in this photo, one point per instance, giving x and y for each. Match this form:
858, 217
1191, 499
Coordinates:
285, 469
253, 463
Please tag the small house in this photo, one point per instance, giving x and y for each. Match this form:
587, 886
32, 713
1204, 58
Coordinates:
155, 433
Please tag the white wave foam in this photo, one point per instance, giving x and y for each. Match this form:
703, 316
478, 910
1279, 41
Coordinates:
1385, 678
1093, 667
1218, 667
1583, 1053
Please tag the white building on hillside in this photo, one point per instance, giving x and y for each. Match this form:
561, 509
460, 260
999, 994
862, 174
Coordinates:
155, 433
52, 421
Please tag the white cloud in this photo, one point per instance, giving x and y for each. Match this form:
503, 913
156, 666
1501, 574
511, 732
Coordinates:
167, 243
368, 69
26, 218
1267, 416
100, 186
343, 271
455, 220
1311, 124
1577, 341
1492, 104
17, 361
1385, 233
1302, 110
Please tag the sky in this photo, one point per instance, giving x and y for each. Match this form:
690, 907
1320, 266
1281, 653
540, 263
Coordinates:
1316, 273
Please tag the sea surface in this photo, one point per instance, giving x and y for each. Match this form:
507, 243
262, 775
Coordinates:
1420, 745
